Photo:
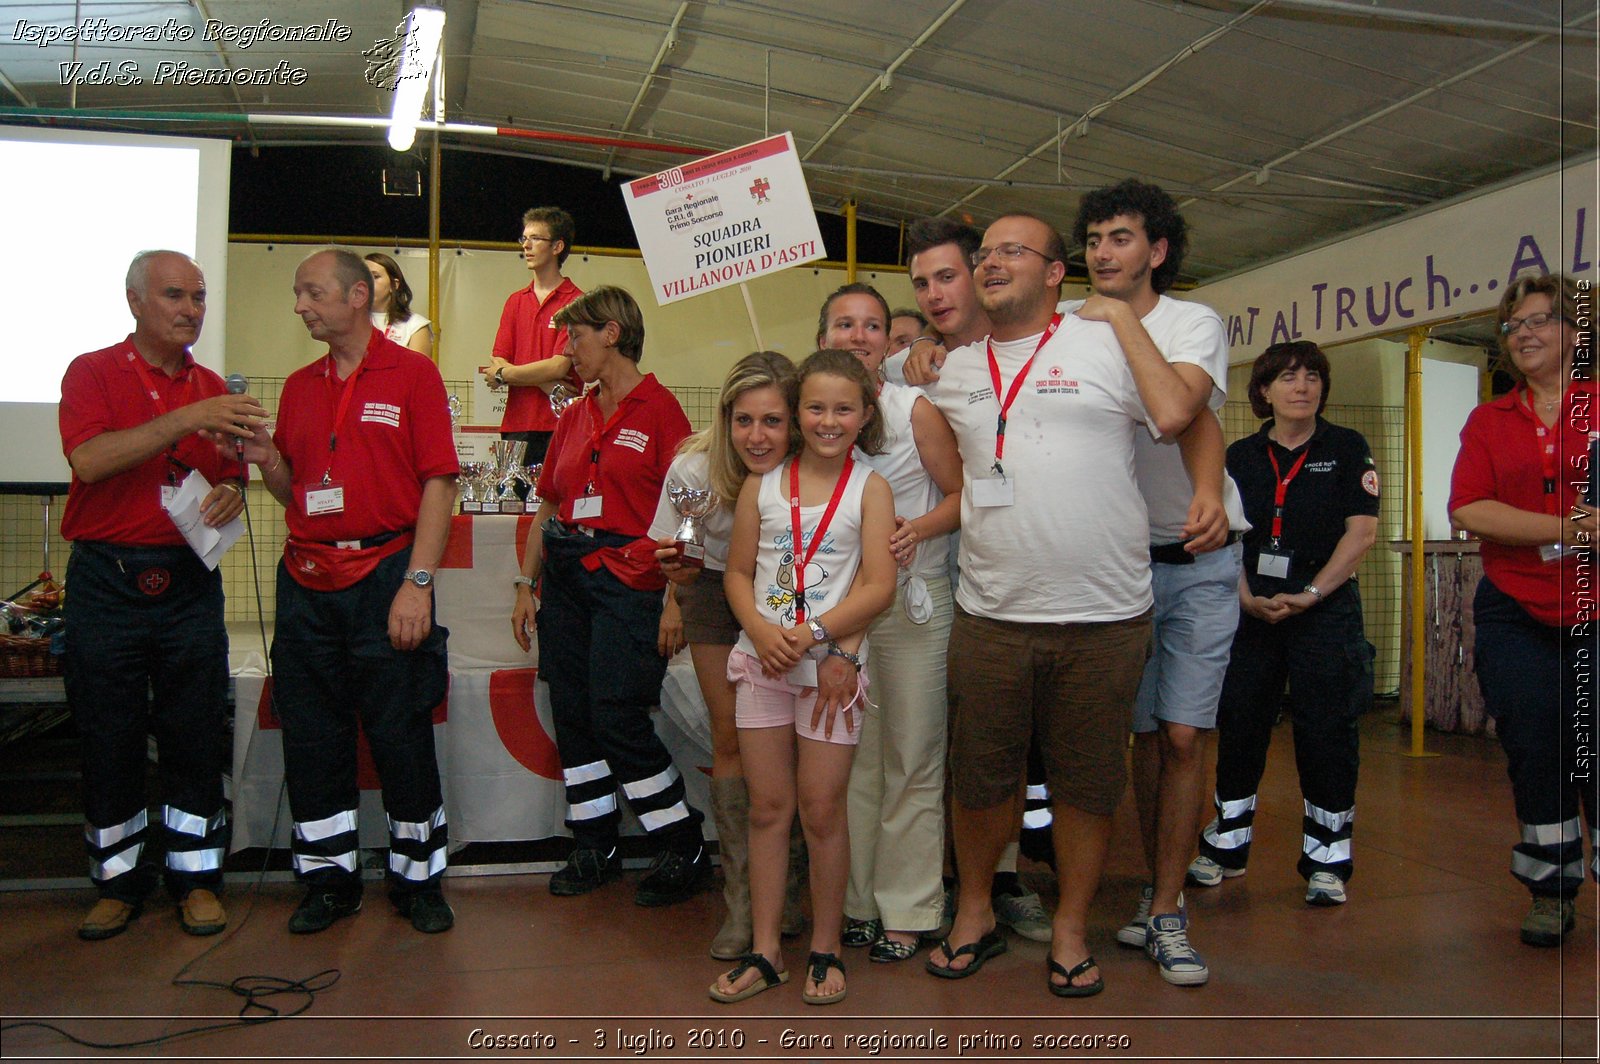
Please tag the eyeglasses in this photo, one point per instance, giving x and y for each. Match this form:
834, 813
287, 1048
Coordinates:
525, 241
1532, 321
1010, 251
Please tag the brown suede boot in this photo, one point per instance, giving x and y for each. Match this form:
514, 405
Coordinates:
794, 915
730, 809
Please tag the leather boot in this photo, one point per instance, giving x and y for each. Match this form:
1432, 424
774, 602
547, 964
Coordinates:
730, 809
794, 915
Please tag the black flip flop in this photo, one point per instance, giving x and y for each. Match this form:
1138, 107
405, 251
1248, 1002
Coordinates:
1069, 990
770, 978
817, 966
990, 945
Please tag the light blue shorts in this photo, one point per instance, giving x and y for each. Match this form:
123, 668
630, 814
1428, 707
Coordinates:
1196, 615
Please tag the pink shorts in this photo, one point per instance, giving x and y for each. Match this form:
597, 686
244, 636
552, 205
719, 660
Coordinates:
763, 702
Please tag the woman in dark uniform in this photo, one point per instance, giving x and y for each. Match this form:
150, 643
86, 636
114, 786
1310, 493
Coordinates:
1311, 493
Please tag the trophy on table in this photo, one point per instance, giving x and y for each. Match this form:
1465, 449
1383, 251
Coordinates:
533, 500
692, 505
509, 472
474, 486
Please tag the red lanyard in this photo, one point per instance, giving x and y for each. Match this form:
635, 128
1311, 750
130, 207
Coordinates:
342, 407
1281, 488
1547, 449
1016, 386
148, 380
150, 388
803, 560
597, 432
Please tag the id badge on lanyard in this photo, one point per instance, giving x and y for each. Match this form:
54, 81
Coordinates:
1274, 561
325, 498
998, 489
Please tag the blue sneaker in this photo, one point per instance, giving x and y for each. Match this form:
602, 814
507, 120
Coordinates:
1168, 945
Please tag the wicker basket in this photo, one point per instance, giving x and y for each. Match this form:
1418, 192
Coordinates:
24, 656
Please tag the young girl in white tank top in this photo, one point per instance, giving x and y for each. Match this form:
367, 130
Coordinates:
809, 568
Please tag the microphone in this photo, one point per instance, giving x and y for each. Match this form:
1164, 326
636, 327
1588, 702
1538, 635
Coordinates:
238, 384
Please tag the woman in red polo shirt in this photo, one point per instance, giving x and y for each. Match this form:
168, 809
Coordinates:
601, 605
1522, 486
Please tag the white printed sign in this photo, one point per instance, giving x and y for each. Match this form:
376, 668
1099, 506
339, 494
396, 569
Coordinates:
724, 219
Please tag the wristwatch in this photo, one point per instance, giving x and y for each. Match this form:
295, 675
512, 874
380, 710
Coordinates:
1312, 589
840, 652
819, 633
525, 581
499, 378
420, 577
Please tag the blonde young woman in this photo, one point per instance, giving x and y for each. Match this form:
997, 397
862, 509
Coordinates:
753, 433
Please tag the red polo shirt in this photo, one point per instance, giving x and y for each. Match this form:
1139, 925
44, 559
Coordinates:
635, 448
527, 334
1502, 459
395, 435
104, 392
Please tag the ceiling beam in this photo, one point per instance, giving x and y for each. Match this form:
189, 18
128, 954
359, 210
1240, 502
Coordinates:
881, 82
1081, 123
1259, 173
668, 42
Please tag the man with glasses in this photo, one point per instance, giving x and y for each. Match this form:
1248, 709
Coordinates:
1054, 605
527, 356
939, 259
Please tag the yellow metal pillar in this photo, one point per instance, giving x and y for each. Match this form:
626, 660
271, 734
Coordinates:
1419, 589
850, 242
433, 247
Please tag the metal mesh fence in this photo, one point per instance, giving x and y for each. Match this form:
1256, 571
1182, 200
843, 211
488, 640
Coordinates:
23, 519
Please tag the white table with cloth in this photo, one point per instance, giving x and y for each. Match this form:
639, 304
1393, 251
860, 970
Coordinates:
497, 756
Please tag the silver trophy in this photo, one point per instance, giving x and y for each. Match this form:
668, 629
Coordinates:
534, 473
455, 412
509, 471
562, 396
474, 486
692, 504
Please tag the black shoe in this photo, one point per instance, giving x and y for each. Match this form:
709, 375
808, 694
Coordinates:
586, 870
674, 877
321, 907
427, 910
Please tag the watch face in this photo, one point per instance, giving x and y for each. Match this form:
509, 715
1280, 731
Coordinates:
422, 578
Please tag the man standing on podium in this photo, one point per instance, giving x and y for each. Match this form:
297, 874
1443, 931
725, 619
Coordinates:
144, 617
364, 463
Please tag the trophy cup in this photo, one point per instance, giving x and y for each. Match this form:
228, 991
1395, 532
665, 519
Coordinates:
562, 397
508, 456
533, 500
455, 413
473, 488
692, 504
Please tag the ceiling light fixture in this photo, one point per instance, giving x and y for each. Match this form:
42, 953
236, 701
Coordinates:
424, 32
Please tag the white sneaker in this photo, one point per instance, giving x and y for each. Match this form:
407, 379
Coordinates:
1024, 914
1325, 888
1134, 933
1204, 872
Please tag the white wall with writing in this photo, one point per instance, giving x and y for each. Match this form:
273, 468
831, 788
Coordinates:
1443, 263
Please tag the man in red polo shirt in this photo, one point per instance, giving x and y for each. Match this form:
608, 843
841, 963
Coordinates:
364, 463
528, 348
145, 614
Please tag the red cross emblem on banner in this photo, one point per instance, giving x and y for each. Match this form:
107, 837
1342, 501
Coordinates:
758, 191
